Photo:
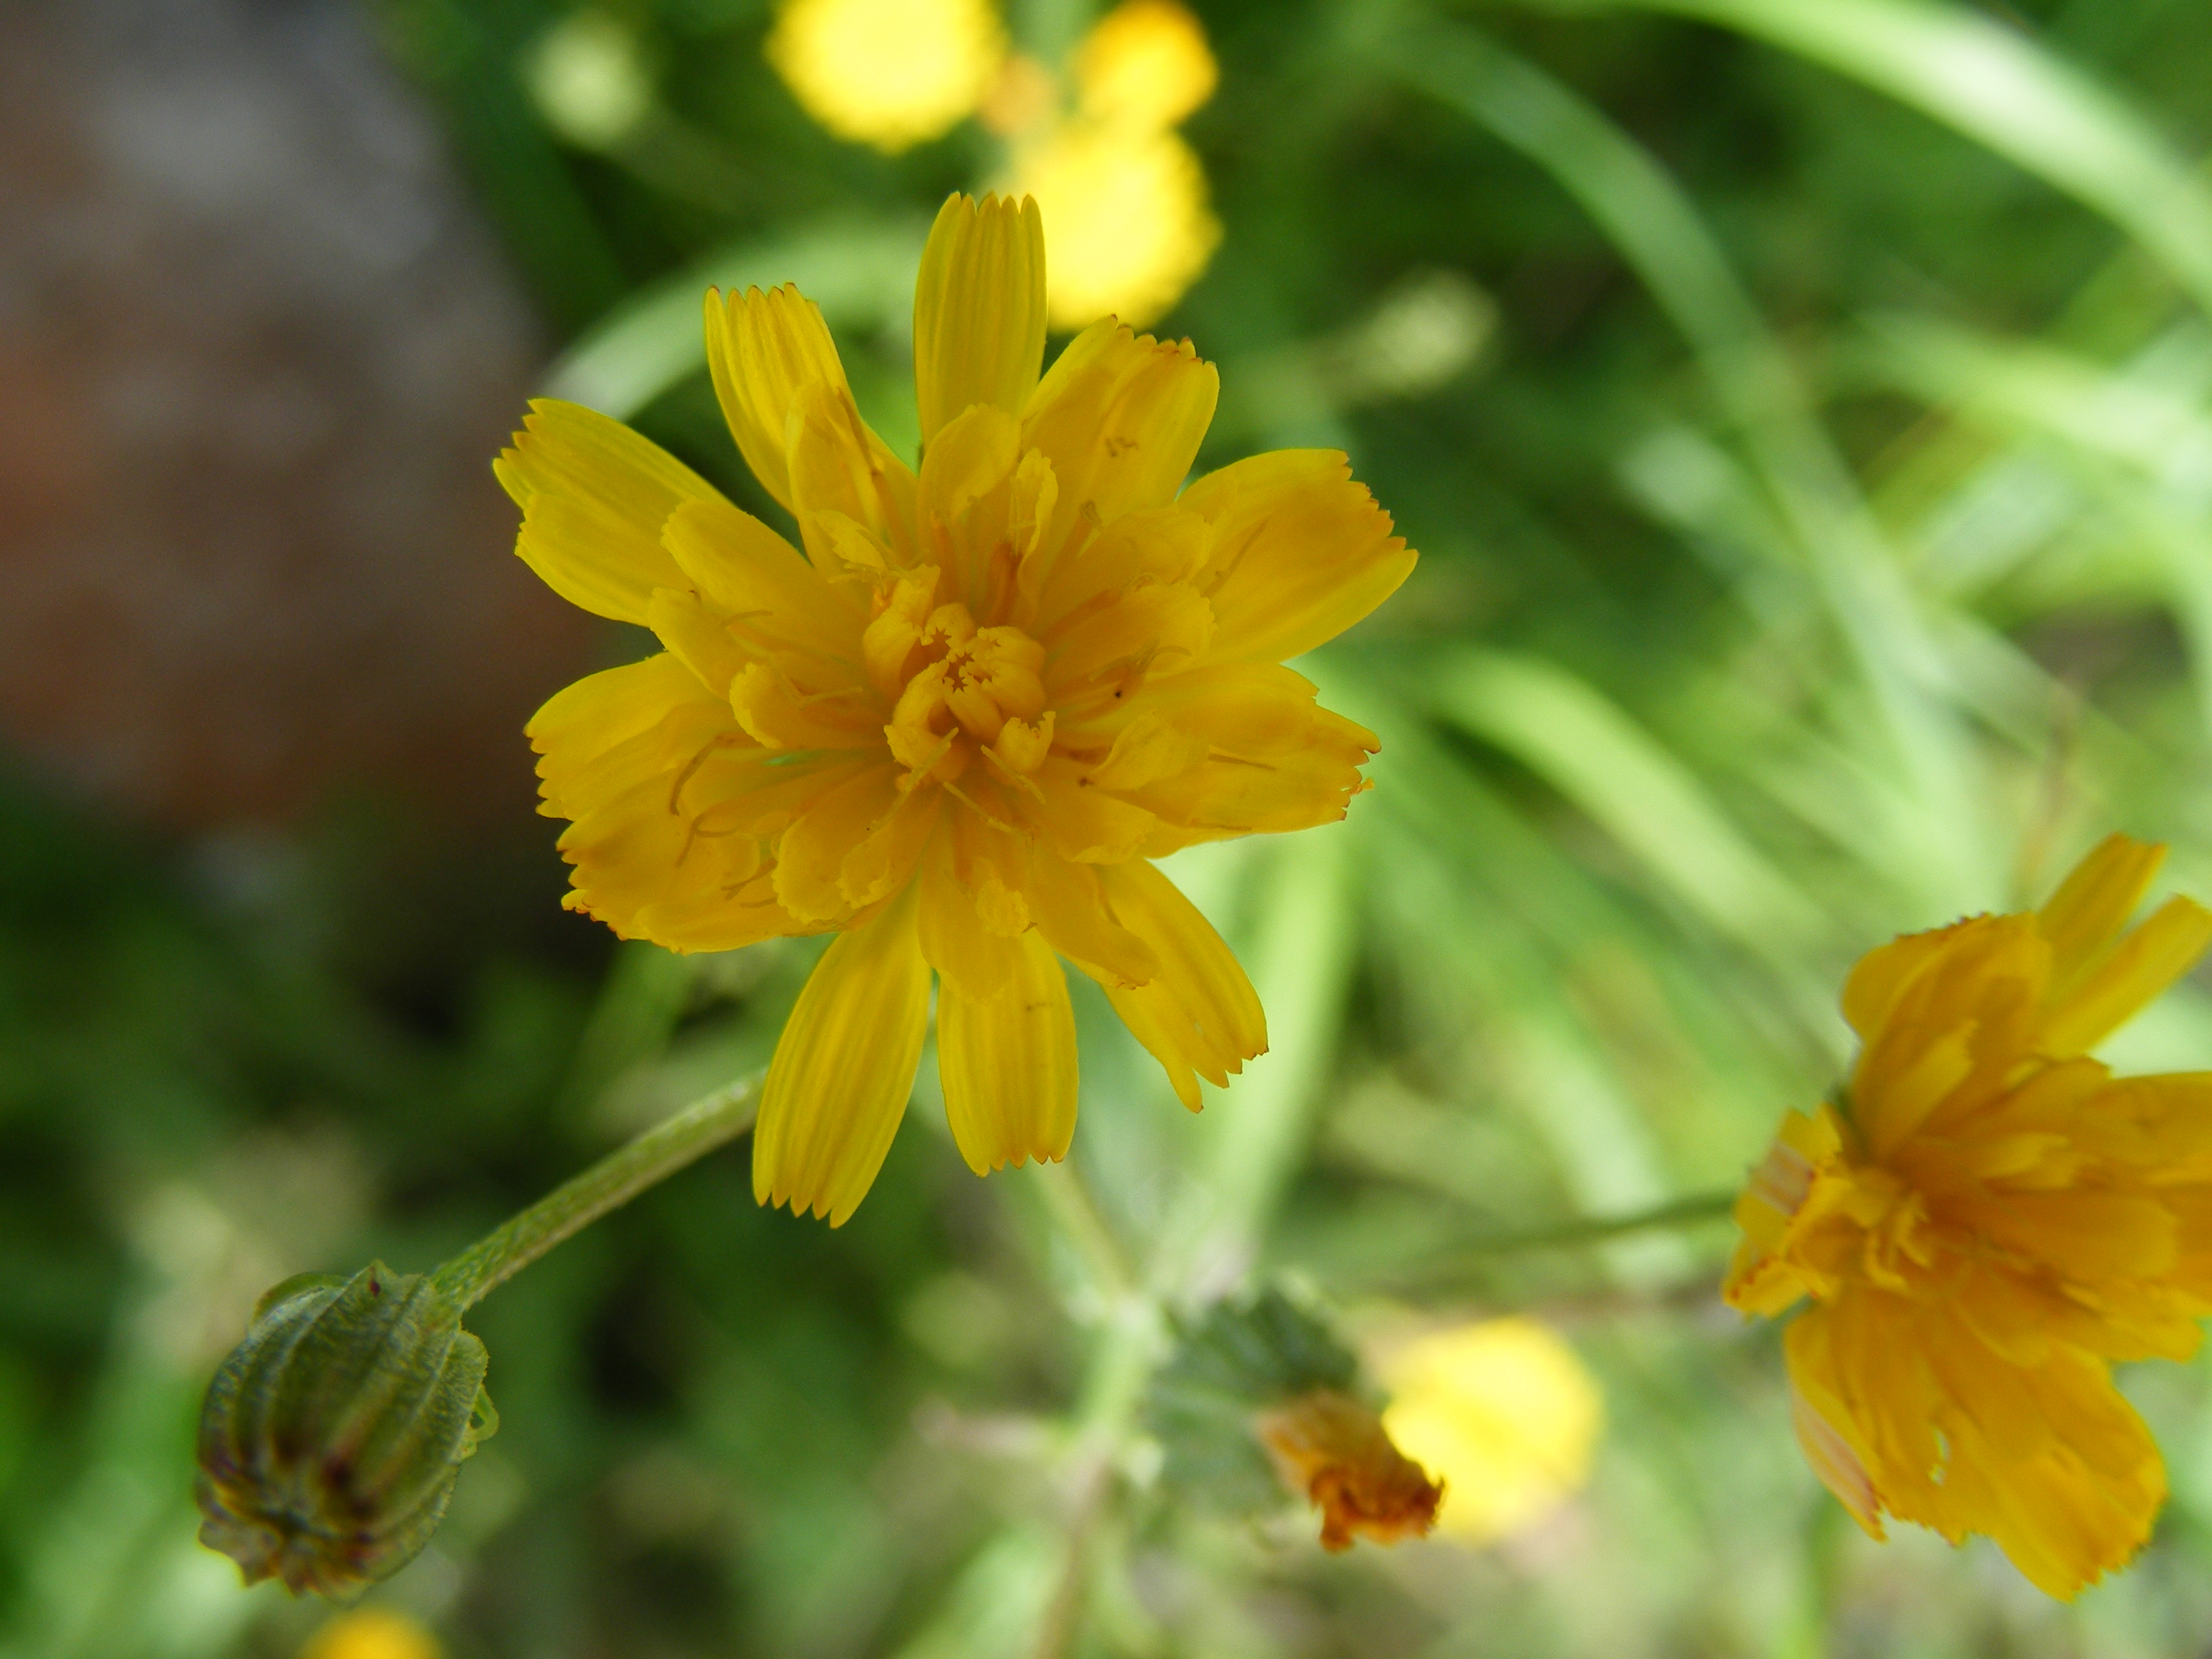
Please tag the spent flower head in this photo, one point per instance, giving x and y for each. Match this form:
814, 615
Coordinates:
1986, 1220
957, 727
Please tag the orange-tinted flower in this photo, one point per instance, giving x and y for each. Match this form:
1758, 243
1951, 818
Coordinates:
1986, 1220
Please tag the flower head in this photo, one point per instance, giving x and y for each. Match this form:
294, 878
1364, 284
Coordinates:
1986, 1220
955, 730
889, 73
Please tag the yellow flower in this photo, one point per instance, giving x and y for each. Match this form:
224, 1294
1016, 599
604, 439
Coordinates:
1503, 1414
1125, 196
1144, 66
890, 73
959, 728
1133, 229
372, 1633
1986, 1220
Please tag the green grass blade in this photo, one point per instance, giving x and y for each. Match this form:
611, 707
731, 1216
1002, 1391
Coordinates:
1593, 753
1996, 85
1658, 231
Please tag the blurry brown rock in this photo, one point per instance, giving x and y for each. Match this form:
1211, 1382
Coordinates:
256, 353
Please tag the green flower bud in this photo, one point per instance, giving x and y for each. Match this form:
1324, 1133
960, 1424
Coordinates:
332, 1435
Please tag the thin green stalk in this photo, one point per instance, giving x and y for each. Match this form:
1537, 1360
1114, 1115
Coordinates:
1068, 1202
1583, 1230
713, 1120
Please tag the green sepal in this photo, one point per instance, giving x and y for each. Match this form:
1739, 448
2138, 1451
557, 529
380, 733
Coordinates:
1240, 1359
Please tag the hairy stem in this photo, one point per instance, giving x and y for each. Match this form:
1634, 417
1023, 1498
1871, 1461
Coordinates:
713, 1120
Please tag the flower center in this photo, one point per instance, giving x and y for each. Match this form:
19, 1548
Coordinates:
964, 691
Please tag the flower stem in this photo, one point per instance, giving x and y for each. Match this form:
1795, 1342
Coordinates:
713, 1120
1585, 1229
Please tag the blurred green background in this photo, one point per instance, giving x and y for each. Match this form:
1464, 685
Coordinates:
1804, 411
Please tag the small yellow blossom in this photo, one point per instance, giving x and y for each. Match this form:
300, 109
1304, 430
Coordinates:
1335, 1451
889, 73
372, 1633
1505, 1413
1125, 196
1986, 1220
1135, 229
1143, 67
956, 730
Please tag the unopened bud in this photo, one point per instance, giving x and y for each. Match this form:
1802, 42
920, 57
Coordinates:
332, 1435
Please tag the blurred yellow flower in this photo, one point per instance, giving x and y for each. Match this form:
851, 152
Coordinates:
1130, 228
1504, 1414
372, 1633
889, 73
1124, 196
1986, 1220
1144, 66
956, 730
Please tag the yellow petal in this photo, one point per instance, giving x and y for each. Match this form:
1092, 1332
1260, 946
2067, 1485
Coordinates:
2095, 901
763, 349
2051, 1463
1089, 825
1162, 629
840, 469
594, 495
1883, 976
1069, 904
1268, 758
1198, 1014
811, 858
588, 734
2133, 975
696, 633
964, 502
1120, 416
1300, 552
844, 1068
1159, 544
885, 858
776, 600
1831, 1439
1007, 1060
780, 713
978, 310
961, 943
2160, 1125
671, 803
